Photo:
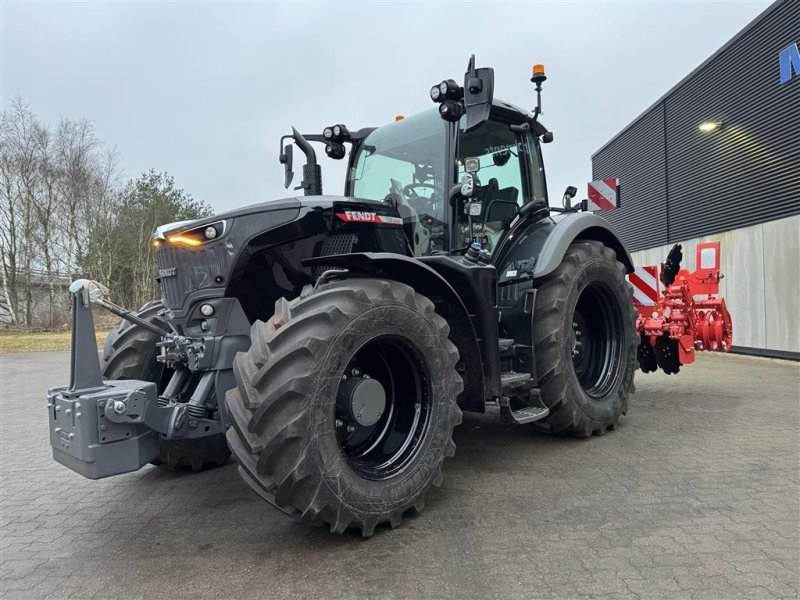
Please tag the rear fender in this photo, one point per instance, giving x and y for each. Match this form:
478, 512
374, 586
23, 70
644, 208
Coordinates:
431, 284
540, 248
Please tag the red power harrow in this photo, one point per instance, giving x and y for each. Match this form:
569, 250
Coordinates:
688, 316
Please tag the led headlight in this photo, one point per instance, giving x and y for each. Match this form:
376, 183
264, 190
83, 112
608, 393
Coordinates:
197, 236
335, 151
446, 90
206, 310
450, 90
451, 110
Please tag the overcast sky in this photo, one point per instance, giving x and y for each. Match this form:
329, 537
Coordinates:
205, 90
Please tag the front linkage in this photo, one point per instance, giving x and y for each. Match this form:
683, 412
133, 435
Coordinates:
101, 428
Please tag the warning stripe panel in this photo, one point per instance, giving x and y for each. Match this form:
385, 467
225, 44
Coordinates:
645, 285
603, 194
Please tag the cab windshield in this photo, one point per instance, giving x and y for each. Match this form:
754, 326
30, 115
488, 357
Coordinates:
404, 163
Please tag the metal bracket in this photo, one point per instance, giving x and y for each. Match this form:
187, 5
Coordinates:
174, 421
85, 373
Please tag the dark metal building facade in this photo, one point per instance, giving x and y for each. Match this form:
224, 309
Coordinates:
678, 182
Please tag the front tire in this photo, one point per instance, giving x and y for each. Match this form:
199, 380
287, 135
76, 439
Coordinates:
585, 341
345, 404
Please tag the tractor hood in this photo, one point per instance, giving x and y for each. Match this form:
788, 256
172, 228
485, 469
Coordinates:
297, 203
208, 257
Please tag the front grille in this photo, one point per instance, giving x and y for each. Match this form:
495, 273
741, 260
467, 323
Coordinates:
338, 243
185, 270
335, 243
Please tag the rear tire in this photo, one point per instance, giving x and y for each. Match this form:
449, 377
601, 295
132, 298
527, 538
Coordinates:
130, 352
291, 428
585, 341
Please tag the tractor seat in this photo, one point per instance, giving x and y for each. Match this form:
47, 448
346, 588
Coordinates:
499, 204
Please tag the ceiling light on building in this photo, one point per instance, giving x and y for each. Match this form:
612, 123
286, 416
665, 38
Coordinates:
709, 126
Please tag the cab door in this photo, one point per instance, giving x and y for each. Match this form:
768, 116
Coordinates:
511, 175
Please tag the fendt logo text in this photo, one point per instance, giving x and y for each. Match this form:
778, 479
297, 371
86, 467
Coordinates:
356, 215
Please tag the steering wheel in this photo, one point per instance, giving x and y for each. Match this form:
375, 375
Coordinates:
410, 191
420, 203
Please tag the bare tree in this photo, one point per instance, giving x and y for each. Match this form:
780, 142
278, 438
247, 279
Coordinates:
64, 212
18, 161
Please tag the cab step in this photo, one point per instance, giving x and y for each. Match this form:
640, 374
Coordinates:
518, 385
529, 414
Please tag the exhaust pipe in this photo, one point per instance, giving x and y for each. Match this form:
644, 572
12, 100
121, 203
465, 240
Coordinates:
312, 173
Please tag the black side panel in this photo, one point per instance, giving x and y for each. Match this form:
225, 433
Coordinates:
271, 265
476, 286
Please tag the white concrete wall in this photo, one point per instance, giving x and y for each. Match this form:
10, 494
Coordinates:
761, 287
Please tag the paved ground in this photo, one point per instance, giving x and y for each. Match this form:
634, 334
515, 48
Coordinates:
696, 495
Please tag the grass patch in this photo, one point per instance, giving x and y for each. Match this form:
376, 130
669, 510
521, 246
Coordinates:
41, 341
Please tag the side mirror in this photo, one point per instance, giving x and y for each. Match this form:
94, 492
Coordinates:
478, 94
286, 159
569, 194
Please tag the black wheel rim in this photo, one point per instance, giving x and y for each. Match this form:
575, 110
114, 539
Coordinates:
384, 449
596, 340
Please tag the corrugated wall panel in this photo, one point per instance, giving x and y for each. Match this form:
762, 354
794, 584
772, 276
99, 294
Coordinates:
746, 172
638, 159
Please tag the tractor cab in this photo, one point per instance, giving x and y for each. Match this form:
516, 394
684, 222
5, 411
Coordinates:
459, 175
414, 163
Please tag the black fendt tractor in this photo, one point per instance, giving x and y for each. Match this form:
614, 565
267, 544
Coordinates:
331, 343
